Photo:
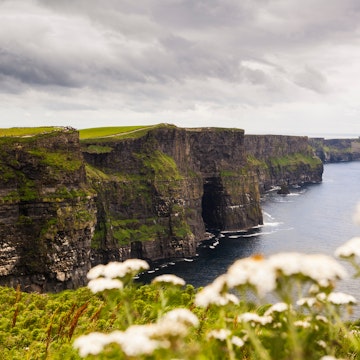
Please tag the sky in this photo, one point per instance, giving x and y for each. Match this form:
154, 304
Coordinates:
266, 66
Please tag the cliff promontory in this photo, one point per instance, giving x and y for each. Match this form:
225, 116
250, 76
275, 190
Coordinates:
147, 192
47, 211
336, 150
283, 160
158, 191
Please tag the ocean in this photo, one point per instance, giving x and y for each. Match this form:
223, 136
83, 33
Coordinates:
316, 218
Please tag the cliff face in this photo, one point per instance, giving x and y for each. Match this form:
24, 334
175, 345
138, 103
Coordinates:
158, 192
283, 160
336, 150
149, 194
47, 213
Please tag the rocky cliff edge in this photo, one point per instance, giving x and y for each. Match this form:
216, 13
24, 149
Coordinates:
150, 193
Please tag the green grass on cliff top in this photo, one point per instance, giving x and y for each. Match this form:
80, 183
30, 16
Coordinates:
27, 131
113, 131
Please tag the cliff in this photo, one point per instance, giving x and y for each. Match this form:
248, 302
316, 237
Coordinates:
336, 150
150, 192
158, 192
47, 212
283, 160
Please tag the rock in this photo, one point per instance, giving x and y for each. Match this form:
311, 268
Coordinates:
284, 190
66, 207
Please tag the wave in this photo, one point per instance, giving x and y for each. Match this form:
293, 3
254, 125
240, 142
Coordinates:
268, 215
272, 224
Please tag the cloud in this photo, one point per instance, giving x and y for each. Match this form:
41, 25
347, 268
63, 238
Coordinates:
219, 58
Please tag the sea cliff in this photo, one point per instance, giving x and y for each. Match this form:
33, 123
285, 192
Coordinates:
47, 211
336, 150
151, 193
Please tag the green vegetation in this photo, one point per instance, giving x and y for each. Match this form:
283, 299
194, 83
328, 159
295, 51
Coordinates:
295, 160
162, 166
101, 132
28, 131
126, 231
61, 160
115, 318
112, 134
98, 149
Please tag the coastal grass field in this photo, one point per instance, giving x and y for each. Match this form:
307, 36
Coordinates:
101, 132
115, 318
27, 131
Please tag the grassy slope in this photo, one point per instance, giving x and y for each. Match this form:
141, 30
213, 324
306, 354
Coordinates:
101, 132
27, 131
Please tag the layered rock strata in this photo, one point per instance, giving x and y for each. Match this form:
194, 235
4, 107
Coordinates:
47, 212
283, 160
336, 150
151, 194
157, 193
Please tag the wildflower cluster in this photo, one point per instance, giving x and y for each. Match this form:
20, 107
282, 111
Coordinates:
114, 274
230, 318
267, 275
139, 340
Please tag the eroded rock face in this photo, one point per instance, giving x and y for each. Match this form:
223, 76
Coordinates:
283, 160
174, 183
170, 185
336, 150
64, 208
47, 212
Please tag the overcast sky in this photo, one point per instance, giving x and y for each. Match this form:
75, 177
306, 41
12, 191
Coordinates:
267, 66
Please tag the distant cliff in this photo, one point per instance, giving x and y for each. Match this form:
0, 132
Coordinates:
336, 150
150, 193
283, 160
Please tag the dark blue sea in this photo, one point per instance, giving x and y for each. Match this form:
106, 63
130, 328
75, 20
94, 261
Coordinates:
316, 218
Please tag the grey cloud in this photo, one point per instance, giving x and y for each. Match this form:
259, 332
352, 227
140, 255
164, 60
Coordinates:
155, 49
311, 79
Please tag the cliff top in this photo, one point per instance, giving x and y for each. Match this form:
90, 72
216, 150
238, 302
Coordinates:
31, 131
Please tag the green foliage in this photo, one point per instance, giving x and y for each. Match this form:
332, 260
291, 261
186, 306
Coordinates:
98, 149
28, 131
295, 159
101, 132
44, 326
60, 160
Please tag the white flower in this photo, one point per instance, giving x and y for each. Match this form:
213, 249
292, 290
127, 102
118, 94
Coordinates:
137, 340
253, 271
350, 248
96, 272
169, 278
308, 301
322, 318
92, 343
337, 298
237, 341
320, 268
302, 323
101, 284
215, 293
183, 316
254, 318
322, 344
278, 307
166, 328
135, 265
219, 334
329, 357
114, 270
